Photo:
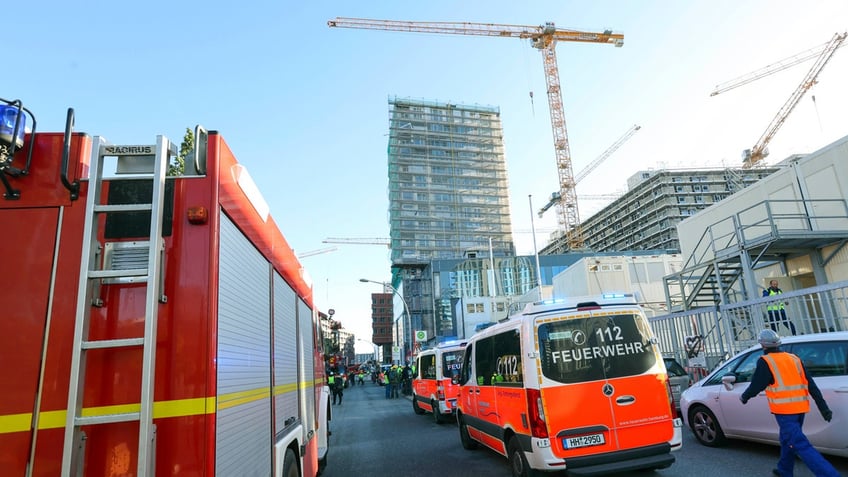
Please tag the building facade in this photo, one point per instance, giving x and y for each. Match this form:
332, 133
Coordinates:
382, 322
646, 217
467, 295
448, 189
448, 194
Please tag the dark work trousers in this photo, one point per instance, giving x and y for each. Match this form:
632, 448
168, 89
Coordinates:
776, 317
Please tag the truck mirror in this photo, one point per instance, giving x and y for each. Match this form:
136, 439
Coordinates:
201, 144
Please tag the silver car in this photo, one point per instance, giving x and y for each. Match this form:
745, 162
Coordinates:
678, 379
712, 410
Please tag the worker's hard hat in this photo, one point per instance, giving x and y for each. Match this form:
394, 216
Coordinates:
768, 338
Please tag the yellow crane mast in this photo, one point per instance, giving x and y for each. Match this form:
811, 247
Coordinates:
544, 38
751, 157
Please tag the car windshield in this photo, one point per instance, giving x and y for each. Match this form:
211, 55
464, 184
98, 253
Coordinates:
451, 362
596, 347
674, 368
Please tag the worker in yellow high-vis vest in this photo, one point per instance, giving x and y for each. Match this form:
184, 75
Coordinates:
777, 309
788, 389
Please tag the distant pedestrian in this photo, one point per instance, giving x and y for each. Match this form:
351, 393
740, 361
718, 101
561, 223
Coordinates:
394, 381
788, 388
384, 378
406, 380
336, 387
777, 309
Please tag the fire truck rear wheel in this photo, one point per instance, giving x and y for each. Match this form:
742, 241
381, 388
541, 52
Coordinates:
290, 464
437, 413
518, 462
467, 442
415, 407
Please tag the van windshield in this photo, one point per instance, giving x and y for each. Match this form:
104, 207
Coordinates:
451, 362
595, 348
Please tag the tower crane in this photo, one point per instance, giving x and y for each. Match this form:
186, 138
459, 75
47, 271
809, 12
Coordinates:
543, 38
751, 157
556, 196
781, 65
359, 241
311, 253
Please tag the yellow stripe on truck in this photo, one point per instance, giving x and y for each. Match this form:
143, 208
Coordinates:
22, 422
161, 410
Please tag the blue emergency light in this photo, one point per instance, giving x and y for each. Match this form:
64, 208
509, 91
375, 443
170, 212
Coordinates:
12, 126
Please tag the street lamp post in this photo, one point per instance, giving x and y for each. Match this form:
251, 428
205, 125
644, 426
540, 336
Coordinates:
408, 323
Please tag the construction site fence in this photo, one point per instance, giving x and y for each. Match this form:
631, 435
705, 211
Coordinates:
702, 338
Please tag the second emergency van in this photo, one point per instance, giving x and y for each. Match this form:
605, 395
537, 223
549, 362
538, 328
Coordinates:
577, 385
432, 389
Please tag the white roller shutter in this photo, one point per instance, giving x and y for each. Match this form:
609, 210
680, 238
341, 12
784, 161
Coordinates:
243, 432
304, 315
286, 408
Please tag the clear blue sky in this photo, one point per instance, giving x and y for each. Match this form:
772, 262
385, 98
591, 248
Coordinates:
304, 106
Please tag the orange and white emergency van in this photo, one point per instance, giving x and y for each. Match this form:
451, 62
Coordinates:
432, 388
153, 324
577, 385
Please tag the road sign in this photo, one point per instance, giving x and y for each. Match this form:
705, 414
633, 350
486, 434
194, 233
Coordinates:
420, 335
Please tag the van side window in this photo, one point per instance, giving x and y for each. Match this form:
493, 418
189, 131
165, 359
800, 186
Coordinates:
428, 366
465, 369
484, 361
823, 358
498, 360
507, 348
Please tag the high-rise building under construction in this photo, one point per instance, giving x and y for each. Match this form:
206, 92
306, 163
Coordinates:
448, 194
448, 189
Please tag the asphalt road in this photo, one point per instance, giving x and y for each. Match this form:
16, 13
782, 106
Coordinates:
373, 436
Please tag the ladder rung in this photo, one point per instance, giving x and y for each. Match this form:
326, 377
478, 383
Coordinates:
131, 272
118, 343
123, 207
107, 418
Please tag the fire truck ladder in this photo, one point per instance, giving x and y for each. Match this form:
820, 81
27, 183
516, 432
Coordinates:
136, 160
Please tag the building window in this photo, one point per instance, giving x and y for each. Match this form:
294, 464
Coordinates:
469, 308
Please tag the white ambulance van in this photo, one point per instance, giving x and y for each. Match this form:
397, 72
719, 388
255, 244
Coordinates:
432, 387
577, 385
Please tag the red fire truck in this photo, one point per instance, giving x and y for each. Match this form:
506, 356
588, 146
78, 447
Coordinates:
152, 324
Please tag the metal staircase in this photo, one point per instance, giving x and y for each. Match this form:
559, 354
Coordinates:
93, 274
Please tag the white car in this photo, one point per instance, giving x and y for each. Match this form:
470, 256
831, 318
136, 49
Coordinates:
712, 410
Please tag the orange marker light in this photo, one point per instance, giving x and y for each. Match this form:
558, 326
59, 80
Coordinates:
197, 215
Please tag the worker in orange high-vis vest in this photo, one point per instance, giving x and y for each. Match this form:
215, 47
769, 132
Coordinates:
788, 387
